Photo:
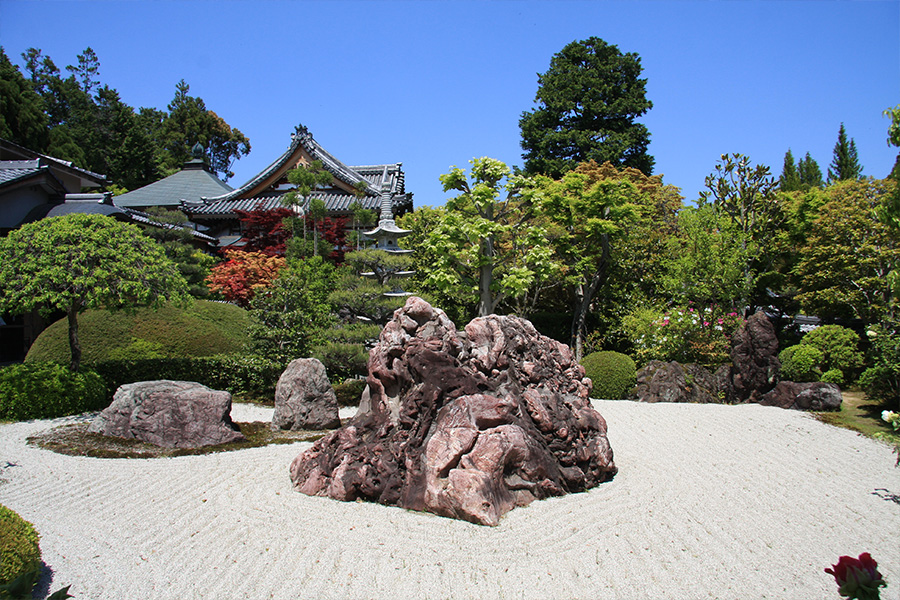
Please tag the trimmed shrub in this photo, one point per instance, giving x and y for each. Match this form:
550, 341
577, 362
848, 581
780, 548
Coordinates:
349, 392
20, 553
249, 376
800, 363
48, 390
613, 374
833, 376
203, 329
839, 347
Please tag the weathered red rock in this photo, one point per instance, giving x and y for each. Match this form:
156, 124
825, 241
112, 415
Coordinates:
171, 414
659, 381
816, 396
466, 425
304, 398
754, 353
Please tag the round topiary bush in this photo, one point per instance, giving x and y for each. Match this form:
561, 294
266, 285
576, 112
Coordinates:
839, 347
613, 374
800, 363
203, 329
835, 376
20, 553
48, 390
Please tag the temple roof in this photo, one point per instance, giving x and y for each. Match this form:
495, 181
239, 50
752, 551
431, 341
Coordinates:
191, 183
266, 189
72, 177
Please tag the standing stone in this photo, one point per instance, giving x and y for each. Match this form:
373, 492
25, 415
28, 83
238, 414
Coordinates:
171, 414
304, 398
658, 381
754, 352
466, 426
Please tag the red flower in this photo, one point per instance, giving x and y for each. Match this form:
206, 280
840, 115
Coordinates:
857, 577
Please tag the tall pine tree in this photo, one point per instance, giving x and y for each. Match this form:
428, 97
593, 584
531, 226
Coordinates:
790, 178
846, 162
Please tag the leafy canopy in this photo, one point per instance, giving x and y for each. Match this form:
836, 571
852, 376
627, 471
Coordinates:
587, 103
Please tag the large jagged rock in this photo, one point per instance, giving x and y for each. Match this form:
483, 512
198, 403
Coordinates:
754, 354
466, 425
817, 396
171, 414
659, 381
304, 398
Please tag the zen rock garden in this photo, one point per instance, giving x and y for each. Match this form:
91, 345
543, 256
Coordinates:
465, 424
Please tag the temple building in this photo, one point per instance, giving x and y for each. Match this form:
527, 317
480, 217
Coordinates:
370, 185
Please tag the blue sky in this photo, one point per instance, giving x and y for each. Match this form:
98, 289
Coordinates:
434, 83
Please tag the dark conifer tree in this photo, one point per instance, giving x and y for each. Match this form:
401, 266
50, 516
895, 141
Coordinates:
846, 162
790, 178
809, 173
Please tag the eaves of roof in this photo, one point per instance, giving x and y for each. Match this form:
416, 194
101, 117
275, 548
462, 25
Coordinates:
224, 209
95, 179
14, 174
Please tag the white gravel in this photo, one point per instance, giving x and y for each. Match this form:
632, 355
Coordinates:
711, 501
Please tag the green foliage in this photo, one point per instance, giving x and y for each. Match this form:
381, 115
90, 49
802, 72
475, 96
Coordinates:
801, 363
482, 245
839, 347
881, 381
833, 376
175, 239
48, 390
845, 164
790, 179
844, 262
612, 373
685, 334
349, 392
587, 104
248, 376
22, 118
202, 329
364, 297
342, 360
80, 261
20, 553
293, 311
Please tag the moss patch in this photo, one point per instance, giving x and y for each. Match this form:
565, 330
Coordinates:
857, 413
75, 440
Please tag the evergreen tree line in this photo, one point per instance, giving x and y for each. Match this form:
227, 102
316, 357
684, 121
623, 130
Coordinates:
71, 115
806, 173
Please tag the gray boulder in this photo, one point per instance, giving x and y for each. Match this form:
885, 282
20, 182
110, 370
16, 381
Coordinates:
817, 396
304, 398
171, 414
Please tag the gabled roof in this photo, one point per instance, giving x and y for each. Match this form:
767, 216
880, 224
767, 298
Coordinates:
303, 150
191, 183
71, 176
14, 173
334, 203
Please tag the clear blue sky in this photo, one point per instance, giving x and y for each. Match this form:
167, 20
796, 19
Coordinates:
433, 83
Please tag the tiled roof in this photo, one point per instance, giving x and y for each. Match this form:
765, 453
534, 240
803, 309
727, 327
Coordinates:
12, 170
142, 217
9, 149
371, 174
189, 184
334, 203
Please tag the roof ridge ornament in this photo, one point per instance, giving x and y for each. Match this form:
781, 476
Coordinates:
197, 151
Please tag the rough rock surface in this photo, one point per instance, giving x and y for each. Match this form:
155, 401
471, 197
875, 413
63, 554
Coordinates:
466, 425
817, 396
658, 381
171, 414
754, 354
304, 398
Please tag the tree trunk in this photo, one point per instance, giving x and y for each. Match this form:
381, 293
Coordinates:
74, 345
485, 278
583, 299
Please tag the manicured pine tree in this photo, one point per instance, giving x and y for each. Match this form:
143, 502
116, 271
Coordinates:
846, 162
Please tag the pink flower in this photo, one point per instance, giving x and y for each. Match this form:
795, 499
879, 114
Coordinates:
857, 577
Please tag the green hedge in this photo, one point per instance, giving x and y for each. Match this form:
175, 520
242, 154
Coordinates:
349, 392
48, 390
613, 374
203, 329
20, 553
248, 376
